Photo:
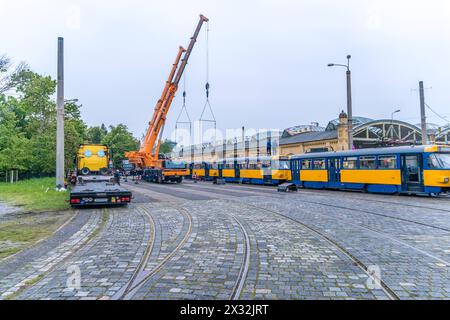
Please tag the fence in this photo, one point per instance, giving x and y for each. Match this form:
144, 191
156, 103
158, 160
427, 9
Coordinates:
9, 176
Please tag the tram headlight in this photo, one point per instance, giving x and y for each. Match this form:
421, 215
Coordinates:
446, 180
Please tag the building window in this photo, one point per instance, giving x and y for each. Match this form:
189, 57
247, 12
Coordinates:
350, 163
368, 162
387, 162
306, 164
319, 164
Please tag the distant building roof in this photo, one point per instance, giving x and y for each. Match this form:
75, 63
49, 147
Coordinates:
289, 132
357, 121
309, 137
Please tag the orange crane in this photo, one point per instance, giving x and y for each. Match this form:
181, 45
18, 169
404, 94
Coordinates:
147, 158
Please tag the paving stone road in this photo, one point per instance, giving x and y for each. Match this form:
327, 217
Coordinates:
202, 241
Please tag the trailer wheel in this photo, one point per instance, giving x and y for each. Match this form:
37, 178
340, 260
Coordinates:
85, 171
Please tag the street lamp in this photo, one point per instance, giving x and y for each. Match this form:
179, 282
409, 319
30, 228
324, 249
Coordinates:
392, 115
392, 122
71, 101
349, 99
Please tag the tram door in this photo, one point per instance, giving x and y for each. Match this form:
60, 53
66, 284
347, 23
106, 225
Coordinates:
237, 170
295, 168
334, 170
206, 166
220, 168
412, 172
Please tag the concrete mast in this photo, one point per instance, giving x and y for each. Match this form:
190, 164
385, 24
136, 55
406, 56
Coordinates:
422, 114
60, 118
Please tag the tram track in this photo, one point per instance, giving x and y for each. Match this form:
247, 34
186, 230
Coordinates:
387, 236
143, 262
87, 240
385, 201
240, 282
367, 211
141, 276
377, 214
384, 287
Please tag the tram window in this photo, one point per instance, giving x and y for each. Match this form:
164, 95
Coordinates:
282, 165
306, 164
350, 163
266, 164
368, 162
255, 166
387, 162
319, 164
214, 166
439, 161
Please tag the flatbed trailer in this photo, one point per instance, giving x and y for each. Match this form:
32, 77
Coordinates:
98, 191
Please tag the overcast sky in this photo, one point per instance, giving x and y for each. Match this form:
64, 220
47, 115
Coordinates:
268, 59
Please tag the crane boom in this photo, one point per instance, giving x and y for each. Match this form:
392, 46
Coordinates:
147, 156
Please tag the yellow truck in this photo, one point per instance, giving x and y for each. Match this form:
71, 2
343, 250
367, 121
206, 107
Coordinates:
92, 159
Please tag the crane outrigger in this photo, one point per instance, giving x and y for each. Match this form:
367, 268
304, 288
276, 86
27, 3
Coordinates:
156, 168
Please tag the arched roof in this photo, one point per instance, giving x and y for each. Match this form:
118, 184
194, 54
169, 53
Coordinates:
387, 130
357, 121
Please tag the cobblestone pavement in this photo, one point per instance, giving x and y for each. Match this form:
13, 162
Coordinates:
202, 241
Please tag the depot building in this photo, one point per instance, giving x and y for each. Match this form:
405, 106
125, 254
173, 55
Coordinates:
367, 133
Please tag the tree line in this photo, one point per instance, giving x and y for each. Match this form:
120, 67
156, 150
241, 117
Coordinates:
28, 124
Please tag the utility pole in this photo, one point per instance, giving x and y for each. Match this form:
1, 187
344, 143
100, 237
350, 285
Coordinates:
349, 99
349, 107
60, 118
243, 141
422, 114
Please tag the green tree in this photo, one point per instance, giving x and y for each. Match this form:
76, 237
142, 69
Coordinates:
97, 134
13, 144
167, 146
28, 126
120, 140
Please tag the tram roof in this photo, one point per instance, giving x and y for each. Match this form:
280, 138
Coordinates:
262, 158
374, 151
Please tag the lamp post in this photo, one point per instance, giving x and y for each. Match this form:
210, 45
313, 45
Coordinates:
349, 99
392, 115
392, 121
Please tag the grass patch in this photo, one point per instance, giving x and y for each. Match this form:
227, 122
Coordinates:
103, 222
36, 195
27, 284
25, 230
6, 252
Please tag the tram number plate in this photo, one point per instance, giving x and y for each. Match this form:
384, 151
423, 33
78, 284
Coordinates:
101, 200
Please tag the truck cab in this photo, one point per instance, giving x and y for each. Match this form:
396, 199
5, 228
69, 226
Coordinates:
92, 159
